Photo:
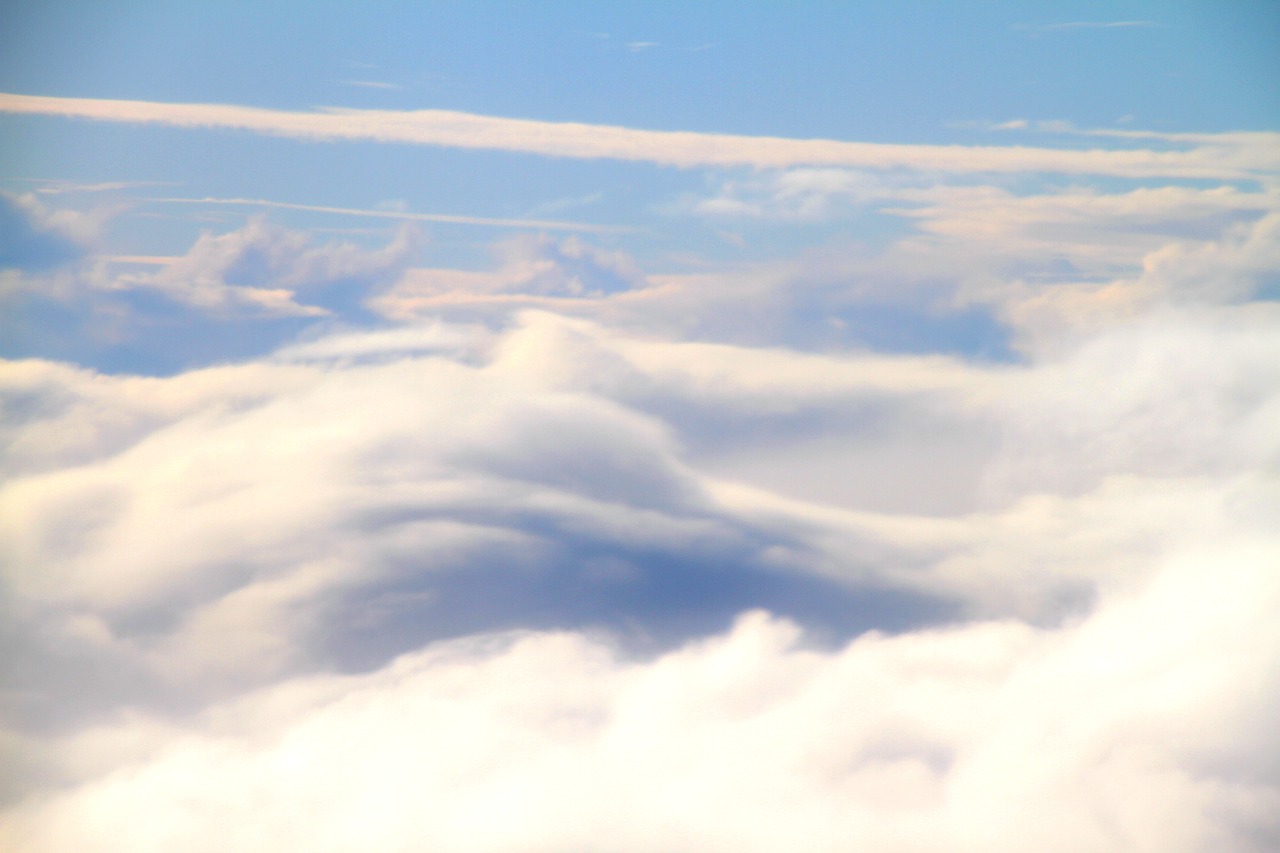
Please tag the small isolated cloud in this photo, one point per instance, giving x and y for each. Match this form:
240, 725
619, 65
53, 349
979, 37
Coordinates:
803, 194
259, 270
566, 267
1069, 26
531, 270
34, 238
373, 84
231, 294
61, 187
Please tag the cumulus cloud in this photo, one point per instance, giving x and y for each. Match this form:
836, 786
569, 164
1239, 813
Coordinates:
259, 268
35, 238
977, 268
531, 270
231, 295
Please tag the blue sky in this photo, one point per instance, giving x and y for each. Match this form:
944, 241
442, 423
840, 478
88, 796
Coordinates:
545, 426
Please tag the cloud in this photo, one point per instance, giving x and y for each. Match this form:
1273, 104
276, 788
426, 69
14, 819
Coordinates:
1236, 270
1076, 221
1084, 25
47, 187
1126, 728
801, 194
1224, 158
531, 270
232, 295
962, 536
259, 269
570, 463
1087, 233
34, 238
404, 215
290, 585
980, 268
373, 84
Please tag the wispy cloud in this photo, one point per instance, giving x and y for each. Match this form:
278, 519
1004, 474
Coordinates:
1083, 25
407, 216
57, 187
33, 237
1231, 157
372, 84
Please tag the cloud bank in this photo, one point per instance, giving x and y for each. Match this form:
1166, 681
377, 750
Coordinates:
962, 537
488, 572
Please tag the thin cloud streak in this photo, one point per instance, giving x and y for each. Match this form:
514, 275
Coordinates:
58, 187
1087, 25
544, 224
1224, 159
372, 84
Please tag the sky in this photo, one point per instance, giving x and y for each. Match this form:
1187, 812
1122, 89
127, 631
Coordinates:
639, 427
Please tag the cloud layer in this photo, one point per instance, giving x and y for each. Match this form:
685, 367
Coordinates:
960, 535
1085, 634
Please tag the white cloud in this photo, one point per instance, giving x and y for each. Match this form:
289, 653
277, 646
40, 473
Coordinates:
531, 270
260, 267
401, 214
1068, 26
213, 549
373, 84
1095, 230
389, 461
1126, 731
35, 238
50, 187
1226, 157
1044, 265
